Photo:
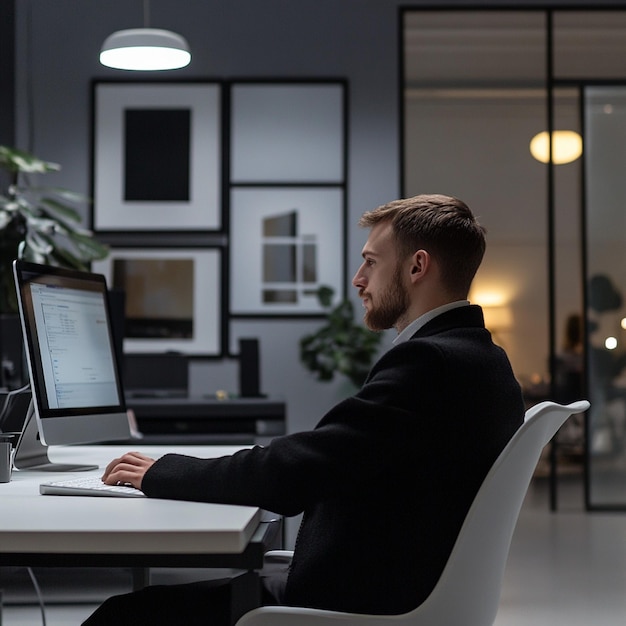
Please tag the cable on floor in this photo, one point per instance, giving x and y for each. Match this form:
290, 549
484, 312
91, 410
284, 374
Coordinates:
42, 606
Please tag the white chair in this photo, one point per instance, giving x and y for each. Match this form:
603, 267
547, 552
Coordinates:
468, 592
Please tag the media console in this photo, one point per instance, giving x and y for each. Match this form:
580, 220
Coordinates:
205, 419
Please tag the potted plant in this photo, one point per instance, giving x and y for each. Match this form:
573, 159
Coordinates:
39, 224
341, 345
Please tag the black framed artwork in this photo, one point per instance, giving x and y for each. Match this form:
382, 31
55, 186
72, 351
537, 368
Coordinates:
173, 298
286, 242
287, 132
288, 164
220, 200
157, 157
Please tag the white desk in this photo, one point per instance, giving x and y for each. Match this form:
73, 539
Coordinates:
39, 530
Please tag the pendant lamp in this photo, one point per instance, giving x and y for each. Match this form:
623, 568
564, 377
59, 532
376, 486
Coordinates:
567, 146
147, 49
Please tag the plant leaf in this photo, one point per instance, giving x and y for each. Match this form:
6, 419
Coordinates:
60, 209
61, 192
325, 295
18, 161
90, 248
38, 244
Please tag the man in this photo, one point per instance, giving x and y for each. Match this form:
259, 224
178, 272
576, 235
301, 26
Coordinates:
387, 476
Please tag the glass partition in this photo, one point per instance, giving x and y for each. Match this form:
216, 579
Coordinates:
478, 86
474, 98
590, 56
605, 155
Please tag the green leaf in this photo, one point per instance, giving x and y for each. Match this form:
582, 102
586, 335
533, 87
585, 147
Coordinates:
18, 161
60, 209
91, 248
61, 192
339, 346
50, 228
38, 244
63, 257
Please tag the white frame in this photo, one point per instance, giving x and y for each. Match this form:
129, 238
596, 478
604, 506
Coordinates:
111, 211
207, 305
322, 215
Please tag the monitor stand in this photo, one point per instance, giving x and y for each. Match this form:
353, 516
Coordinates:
32, 454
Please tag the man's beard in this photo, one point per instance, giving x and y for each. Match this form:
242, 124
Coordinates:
392, 305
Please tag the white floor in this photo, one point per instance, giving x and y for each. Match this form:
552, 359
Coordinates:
566, 568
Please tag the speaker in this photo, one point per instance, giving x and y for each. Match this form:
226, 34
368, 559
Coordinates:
117, 309
249, 368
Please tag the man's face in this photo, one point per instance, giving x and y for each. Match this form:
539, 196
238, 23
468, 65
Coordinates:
380, 281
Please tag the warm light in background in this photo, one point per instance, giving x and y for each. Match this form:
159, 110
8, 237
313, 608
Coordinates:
610, 343
567, 146
495, 303
622, 323
489, 297
498, 318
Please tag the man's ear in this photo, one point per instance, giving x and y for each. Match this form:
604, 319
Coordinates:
420, 263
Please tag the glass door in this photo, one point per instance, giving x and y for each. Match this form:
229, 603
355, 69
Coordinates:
605, 247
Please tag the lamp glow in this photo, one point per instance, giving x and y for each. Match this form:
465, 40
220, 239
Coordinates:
567, 146
147, 49
498, 318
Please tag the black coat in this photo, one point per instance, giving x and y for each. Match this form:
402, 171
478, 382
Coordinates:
386, 477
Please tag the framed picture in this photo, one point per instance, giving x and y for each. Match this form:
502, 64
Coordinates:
288, 132
286, 242
173, 298
157, 156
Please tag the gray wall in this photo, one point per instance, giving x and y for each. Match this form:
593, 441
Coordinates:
352, 39
267, 38
58, 42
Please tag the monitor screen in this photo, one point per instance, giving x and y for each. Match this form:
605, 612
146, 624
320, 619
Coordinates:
74, 372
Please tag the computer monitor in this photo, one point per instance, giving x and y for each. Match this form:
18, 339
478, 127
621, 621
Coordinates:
77, 394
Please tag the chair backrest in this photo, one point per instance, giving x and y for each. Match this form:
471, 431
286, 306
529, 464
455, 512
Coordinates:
468, 591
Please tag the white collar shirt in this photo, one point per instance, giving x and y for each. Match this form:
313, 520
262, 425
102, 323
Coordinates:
418, 323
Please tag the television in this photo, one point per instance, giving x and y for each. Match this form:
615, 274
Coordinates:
76, 387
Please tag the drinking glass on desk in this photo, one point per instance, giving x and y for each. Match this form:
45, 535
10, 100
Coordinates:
5, 458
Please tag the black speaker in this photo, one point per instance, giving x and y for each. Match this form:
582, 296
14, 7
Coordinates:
117, 309
249, 368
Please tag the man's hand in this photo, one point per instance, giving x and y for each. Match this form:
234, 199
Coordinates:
128, 469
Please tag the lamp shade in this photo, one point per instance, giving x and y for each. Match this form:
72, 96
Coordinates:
145, 49
567, 146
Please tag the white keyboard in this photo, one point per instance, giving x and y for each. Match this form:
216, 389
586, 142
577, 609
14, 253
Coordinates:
88, 486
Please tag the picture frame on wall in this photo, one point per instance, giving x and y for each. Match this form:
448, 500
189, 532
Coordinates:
157, 157
288, 132
286, 242
173, 298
